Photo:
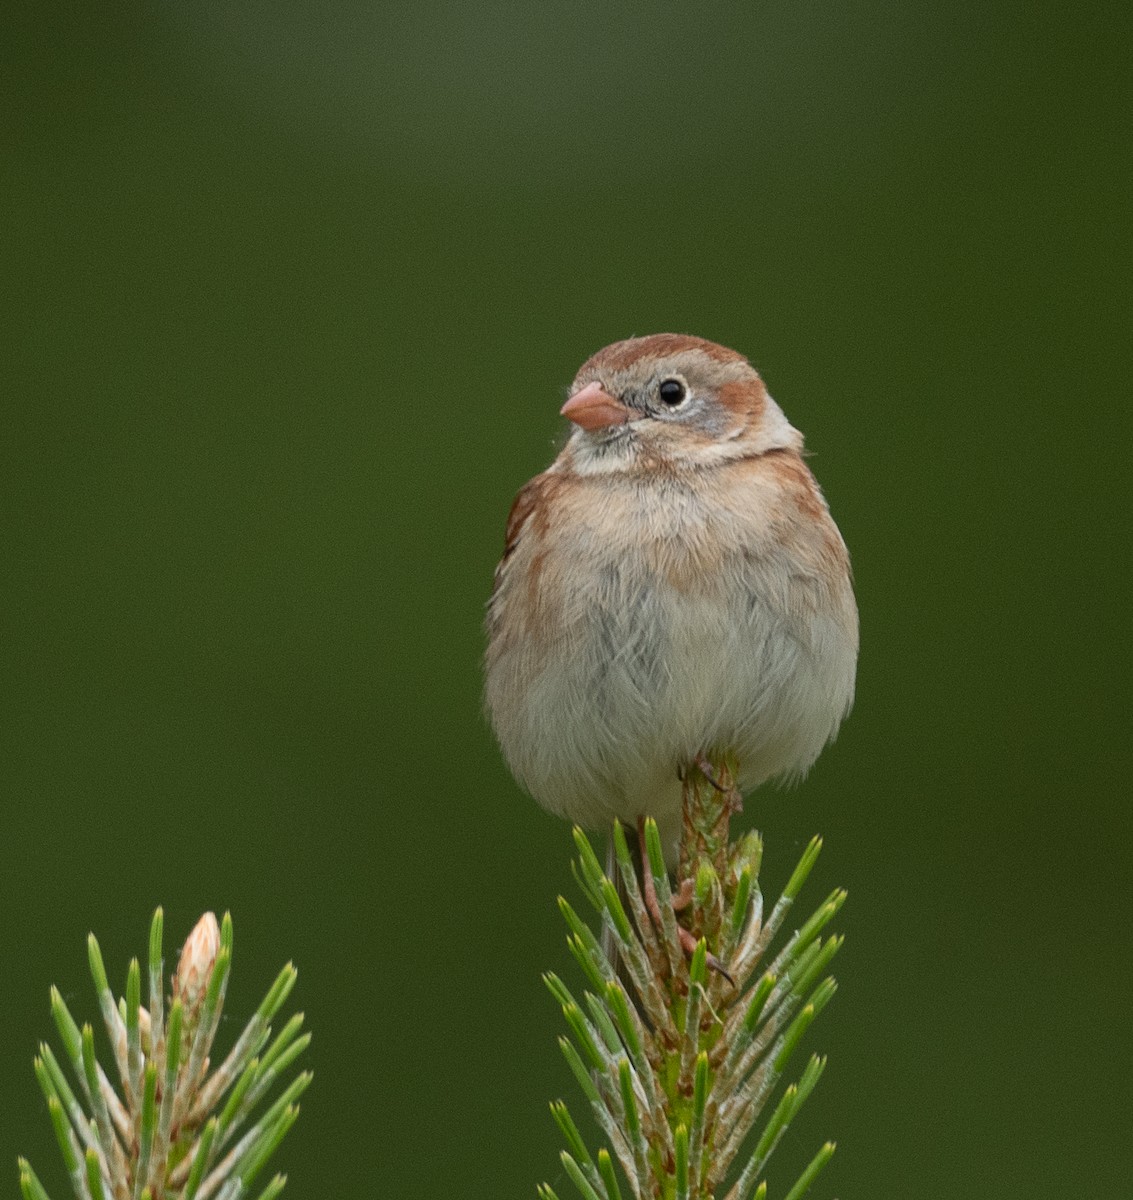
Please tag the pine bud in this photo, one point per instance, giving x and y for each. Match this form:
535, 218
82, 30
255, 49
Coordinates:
197, 960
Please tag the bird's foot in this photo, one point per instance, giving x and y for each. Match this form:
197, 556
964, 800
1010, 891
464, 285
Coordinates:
684, 895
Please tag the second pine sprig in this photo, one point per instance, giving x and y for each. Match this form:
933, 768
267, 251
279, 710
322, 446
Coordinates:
174, 1127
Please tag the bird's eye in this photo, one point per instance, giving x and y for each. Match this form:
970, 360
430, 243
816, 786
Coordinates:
672, 392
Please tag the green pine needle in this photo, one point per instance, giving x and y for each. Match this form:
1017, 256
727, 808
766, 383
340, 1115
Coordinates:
811, 1173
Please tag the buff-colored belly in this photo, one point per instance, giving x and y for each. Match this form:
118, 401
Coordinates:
637, 671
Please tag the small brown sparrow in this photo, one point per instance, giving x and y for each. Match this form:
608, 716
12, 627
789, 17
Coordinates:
672, 585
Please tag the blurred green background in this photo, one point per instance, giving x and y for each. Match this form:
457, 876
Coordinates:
290, 295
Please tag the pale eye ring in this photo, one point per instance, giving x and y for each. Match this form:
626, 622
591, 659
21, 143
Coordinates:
672, 392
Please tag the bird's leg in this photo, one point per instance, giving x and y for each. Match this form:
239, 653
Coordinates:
705, 767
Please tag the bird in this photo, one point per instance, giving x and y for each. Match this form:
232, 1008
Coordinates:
672, 588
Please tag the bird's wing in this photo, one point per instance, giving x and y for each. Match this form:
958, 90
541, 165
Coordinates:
526, 501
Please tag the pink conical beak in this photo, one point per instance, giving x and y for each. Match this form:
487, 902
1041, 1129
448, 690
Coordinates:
592, 408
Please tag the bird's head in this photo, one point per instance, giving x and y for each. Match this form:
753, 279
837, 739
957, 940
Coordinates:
671, 401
